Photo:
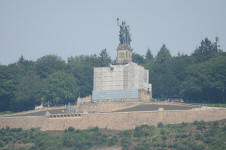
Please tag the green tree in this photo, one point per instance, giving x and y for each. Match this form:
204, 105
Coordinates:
206, 81
61, 88
163, 55
149, 60
28, 92
137, 58
206, 50
7, 87
81, 67
104, 58
149, 54
163, 81
49, 64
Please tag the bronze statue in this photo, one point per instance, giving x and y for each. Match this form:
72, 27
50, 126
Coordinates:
124, 35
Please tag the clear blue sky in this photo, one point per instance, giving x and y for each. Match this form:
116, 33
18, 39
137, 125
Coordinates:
34, 28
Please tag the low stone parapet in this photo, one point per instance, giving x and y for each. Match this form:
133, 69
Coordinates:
116, 120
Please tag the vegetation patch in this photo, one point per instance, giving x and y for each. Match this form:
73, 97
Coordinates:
198, 135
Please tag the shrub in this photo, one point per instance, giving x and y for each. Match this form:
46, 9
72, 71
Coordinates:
125, 143
16, 129
224, 128
143, 130
200, 125
180, 146
1, 143
94, 129
215, 124
162, 132
71, 129
164, 137
126, 133
182, 135
142, 147
195, 146
112, 141
198, 137
68, 141
160, 125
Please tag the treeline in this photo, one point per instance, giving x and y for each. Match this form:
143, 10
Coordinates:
198, 135
199, 77
50, 80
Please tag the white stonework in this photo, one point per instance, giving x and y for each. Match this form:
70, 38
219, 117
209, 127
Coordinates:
121, 82
121, 77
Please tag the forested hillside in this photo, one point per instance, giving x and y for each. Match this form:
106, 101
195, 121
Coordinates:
199, 77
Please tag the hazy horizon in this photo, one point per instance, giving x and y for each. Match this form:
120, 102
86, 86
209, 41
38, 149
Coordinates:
71, 28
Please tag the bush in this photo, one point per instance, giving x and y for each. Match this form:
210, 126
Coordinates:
112, 141
182, 135
164, 137
16, 129
160, 125
180, 146
94, 129
195, 146
125, 143
200, 125
143, 130
198, 137
215, 124
71, 129
224, 128
126, 133
1, 144
162, 132
142, 147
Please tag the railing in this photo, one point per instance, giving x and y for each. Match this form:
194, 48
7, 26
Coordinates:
64, 115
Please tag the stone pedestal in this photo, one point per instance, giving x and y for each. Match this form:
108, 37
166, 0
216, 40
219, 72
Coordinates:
124, 54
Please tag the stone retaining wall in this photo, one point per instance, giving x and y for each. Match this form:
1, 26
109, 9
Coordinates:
107, 106
118, 121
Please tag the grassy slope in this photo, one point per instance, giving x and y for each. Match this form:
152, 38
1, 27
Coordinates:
6, 113
195, 136
209, 104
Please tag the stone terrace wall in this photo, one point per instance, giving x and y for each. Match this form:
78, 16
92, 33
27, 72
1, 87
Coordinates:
107, 106
118, 121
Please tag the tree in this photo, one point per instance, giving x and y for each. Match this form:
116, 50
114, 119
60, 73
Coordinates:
61, 88
149, 60
28, 92
206, 81
104, 58
149, 54
163, 80
137, 58
7, 87
206, 50
9, 78
163, 55
49, 64
81, 67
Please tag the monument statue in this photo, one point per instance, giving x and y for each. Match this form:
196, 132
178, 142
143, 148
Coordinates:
124, 35
124, 50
